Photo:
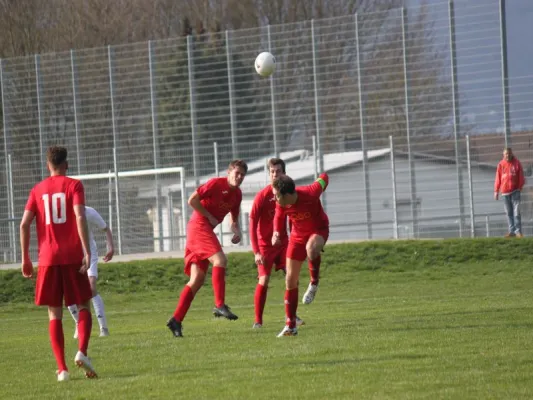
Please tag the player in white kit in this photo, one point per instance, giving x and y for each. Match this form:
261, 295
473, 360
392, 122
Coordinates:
96, 222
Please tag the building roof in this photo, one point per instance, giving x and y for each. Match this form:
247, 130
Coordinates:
300, 165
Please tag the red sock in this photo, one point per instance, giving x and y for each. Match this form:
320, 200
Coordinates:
219, 285
85, 324
314, 270
186, 298
57, 339
291, 305
259, 302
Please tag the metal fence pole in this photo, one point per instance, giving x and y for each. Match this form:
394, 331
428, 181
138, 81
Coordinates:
471, 189
217, 174
456, 115
112, 97
110, 200
155, 145
487, 225
117, 201
315, 158
394, 199
184, 218
366, 180
412, 178
9, 194
39, 92
75, 101
317, 104
505, 74
11, 208
231, 89
273, 101
192, 105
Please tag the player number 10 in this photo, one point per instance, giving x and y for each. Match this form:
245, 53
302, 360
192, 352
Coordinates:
59, 208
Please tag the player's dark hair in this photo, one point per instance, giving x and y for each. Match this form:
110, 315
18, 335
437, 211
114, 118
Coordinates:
284, 185
277, 161
239, 163
56, 155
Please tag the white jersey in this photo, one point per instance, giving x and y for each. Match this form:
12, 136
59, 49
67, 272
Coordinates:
95, 221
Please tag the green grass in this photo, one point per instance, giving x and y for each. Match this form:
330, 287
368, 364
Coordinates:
392, 320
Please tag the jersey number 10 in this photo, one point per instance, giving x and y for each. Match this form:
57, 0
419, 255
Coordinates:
58, 206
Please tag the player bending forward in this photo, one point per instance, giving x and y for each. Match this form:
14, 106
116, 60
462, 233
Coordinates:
95, 222
58, 205
261, 229
211, 203
309, 233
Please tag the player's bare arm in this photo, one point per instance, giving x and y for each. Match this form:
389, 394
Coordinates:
235, 228
196, 204
110, 245
25, 224
83, 232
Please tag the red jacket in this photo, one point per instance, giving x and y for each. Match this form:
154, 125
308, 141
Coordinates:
509, 176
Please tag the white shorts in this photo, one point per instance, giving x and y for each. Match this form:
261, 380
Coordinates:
93, 269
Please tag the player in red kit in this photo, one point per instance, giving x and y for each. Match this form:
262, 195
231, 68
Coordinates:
261, 229
309, 233
211, 202
58, 206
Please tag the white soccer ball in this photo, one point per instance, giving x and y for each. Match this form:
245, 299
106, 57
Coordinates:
265, 64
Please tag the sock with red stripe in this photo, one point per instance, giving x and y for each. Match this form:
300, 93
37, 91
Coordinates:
184, 302
291, 306
259, 302
57, 339
314, 270
85, 324
219, 285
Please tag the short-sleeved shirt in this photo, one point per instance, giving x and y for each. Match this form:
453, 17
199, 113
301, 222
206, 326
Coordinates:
219, 198
307, 215
95, 222
52, 201
262, 220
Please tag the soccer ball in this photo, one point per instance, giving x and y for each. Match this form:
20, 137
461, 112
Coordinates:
265, 64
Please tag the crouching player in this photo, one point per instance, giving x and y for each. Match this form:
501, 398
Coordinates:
309, 233
261, 229
211, 202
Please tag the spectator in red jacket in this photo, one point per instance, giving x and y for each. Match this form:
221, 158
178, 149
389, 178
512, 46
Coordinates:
509, 182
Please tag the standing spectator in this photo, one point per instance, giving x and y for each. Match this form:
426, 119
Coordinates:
509, 182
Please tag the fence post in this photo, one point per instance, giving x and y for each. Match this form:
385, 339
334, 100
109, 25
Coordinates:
471, 189
394, 198
155, 146
366, 181
10, 208
217, 173
317, 103
39, 91
487, 225
231, 89
272, 100
456, 115
117, 200
192, 104
505, 74
75, 101
315, 158
412, 178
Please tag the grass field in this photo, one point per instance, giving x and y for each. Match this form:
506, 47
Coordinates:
392, 320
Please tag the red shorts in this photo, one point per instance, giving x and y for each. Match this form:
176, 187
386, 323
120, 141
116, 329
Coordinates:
273, 255
61, 282
297, 246
202, 243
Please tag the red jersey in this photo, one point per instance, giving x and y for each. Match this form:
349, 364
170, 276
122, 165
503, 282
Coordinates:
219, 198
509, 176
306, 215
52, 201
262, 220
